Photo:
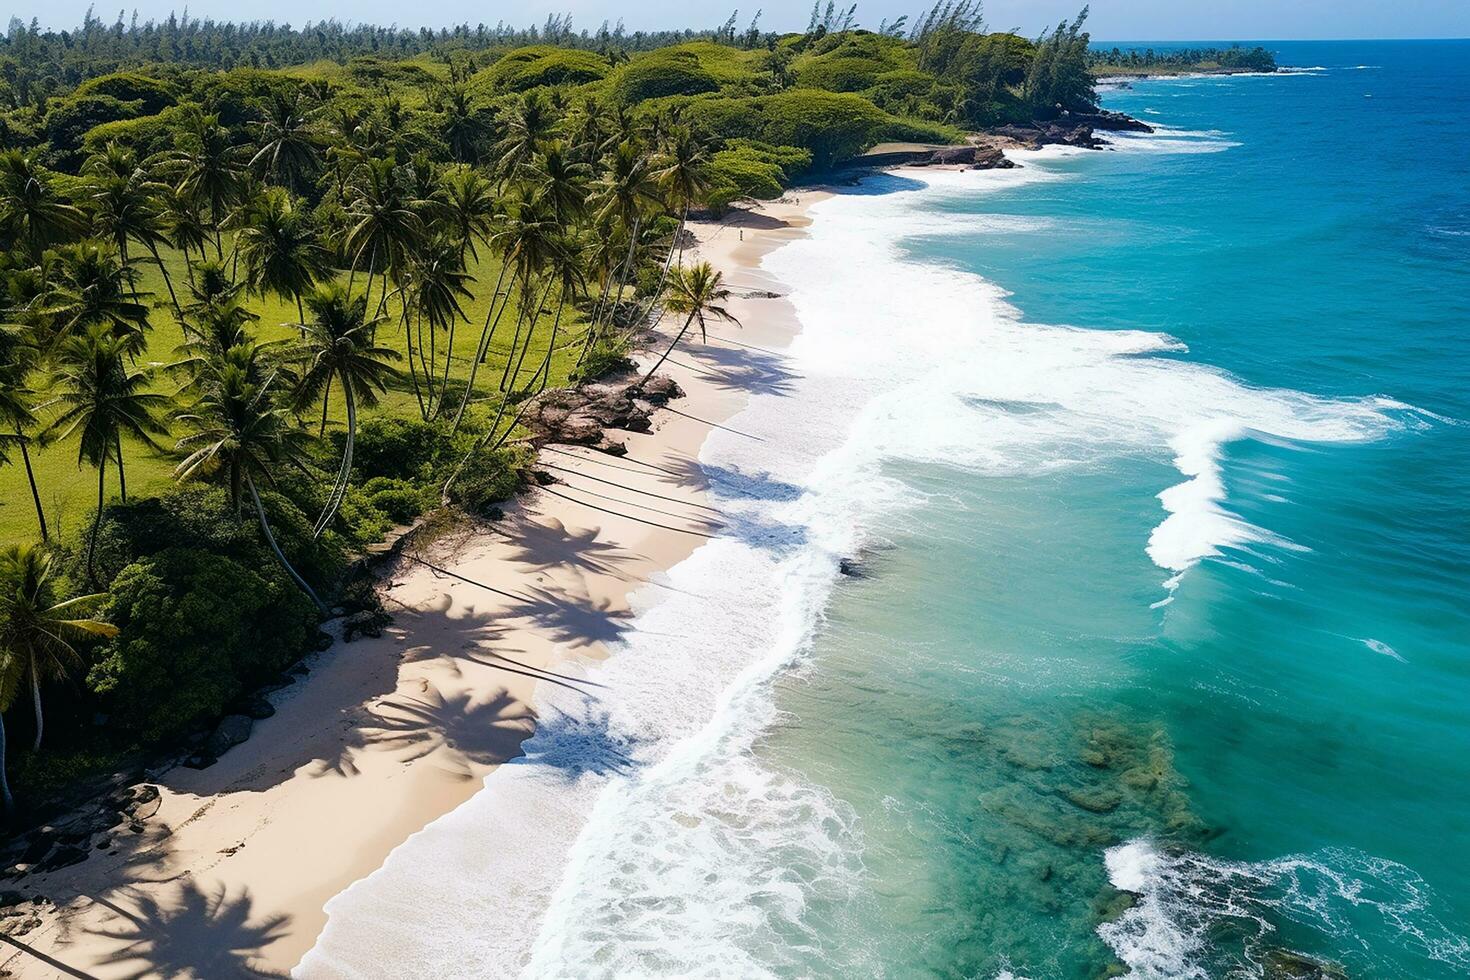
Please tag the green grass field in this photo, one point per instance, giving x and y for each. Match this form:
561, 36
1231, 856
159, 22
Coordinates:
69, 490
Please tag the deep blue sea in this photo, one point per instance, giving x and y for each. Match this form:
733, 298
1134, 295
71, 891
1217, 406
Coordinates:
1155, 466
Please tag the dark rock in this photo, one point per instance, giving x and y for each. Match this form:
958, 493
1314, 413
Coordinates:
230, 732
63, 856
543, 478
199, 762
580, 429
322, 641
1109, 121
852, 568
10, 897
1285, 964
612, 447
991, 158
953, 155
22, 926
257, 707
103, 842
39, 846
658, 390
369, 622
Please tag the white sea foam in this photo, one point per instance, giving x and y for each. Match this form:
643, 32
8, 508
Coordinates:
642, 834
1379, 647
1183, 899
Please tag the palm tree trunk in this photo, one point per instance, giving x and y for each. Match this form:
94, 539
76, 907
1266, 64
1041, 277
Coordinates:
486, 334
326, 397
122, 475
4, 779
36, 705
270, 539
448, 361
544, 372
683, 330
596, 316
158, 260
344, 476
516, 339
526, 347
413, 372
96, 522
35, 494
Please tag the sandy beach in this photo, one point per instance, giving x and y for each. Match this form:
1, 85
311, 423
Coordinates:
229, 877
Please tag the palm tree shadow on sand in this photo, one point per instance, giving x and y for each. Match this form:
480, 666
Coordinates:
573, 746
192, 933
465, 732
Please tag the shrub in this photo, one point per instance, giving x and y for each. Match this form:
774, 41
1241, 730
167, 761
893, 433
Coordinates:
129, 86
195, 631
541, 64
69, 120
490, 477
832, 126
748, 168
145, 135
659, 74
394, 447
399, 500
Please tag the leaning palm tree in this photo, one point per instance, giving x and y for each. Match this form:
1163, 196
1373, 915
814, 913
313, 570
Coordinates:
682, 175
37, 629
628, 188
337, 342
528, 122
17, 412
101, 400
465, 206
437, 283
185, 225
699, 293
241, 429
280, 251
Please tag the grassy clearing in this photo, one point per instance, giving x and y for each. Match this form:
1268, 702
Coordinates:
69, 490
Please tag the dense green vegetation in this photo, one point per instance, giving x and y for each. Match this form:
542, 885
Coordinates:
1147, 61
268, 293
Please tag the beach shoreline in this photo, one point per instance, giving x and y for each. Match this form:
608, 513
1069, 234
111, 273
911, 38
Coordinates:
387, 735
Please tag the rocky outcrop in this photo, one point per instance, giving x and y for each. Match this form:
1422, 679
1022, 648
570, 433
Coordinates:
230, 732
1072, 129
581, 415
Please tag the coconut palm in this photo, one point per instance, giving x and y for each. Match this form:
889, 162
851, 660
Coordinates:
32, 211
17, 413
384, 222
337, 342
436, 285
184, 225
682, 177
466, 207
242, 430
528, 122
36, 628
280, 251
94, 288
288, 143
124, 207
101, 400
562, 181
628, 188
11, 678
207, 167
700, 294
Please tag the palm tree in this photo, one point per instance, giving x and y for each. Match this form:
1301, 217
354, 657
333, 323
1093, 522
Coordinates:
628, 188
242, 430
17, 360
36, 629
699, 293
124, 207
466, 203
288, 143
461, 128
437, 283
207, 167
338, 343
562, 181
385, 224
682, 176
101, 400
528, 123
10, 681
186, 227
31, 210
94, 288
214, 320
280, 251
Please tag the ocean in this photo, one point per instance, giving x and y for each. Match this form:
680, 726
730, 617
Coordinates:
1151, 471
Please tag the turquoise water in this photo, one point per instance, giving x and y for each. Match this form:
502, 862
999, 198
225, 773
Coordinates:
1154, 465
1272, 751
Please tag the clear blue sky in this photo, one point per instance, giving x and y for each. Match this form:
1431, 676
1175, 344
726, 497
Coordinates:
1111, 19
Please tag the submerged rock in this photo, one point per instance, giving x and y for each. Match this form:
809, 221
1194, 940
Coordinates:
1286, 964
